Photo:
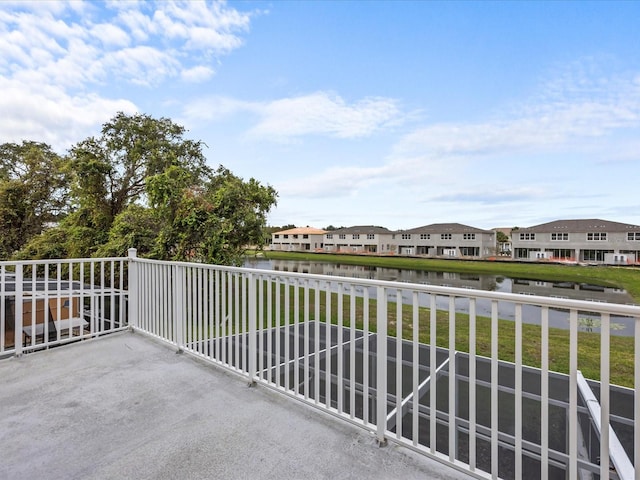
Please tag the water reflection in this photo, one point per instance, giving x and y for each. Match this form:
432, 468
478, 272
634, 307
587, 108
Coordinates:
497, 283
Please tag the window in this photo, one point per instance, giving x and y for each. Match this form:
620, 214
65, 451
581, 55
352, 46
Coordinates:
560, 236
406, 236
595, 255
329, 236
342, 236
527, 236
305, 236
295, 236
286, 236
355, 236
633, 236
469, 236
597, 236
277, 236
371, 236
425, 236
445, 236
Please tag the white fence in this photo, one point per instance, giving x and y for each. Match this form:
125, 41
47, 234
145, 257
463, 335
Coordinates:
385, 356
471, 378
51, 302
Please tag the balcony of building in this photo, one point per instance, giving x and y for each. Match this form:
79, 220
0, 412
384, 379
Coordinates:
147, 375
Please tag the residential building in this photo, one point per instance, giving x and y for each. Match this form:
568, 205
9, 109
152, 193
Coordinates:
445, 240
584, 241
297, 239
359, 239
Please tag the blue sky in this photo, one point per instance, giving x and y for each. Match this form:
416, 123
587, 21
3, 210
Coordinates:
399, 114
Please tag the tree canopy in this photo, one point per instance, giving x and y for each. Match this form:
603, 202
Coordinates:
33, 192
139, 184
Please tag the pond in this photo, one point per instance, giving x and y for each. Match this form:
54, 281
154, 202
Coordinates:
496, 283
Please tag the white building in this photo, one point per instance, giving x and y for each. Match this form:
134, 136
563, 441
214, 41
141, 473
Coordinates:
583, 241
446, 240
359, 239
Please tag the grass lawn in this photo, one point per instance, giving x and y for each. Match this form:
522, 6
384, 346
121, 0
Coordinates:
622, 348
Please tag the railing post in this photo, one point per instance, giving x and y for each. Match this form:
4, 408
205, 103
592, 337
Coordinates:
252, 329
133, 289
179, 316
381, 366
17, 336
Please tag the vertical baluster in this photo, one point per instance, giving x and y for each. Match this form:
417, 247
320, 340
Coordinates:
365, 357
398, 389
287, 335
316, 347
381, 366
340, 360
433, 342
518, 393
328, 347
544, 394
494, 389
415, 344
352, 351
605, 333
573, 393
453, 399
472, 384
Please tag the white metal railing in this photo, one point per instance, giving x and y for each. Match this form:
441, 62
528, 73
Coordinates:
387, 357
44, 303
419, 365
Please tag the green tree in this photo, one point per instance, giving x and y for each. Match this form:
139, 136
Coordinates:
212, 222
111, 170
501, 237
33, 192
141, 184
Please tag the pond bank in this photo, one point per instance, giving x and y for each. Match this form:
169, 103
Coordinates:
618, 277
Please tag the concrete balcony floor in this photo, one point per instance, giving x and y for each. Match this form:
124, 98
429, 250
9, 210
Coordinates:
124, 406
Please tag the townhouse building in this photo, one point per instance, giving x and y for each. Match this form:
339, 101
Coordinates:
581, 241
445, 240
359, 239
299, 239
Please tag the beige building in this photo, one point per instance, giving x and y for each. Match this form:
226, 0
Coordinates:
300, 239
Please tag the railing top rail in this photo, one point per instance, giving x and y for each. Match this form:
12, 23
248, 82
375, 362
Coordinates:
61, 260
519, 298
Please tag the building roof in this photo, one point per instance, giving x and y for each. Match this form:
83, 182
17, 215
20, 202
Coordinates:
581, 225
362, 229
301, 231
445, 228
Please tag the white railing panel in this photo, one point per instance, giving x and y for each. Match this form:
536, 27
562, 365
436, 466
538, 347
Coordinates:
45, 303
327, 342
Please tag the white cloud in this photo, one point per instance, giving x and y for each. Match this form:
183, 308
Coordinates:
54, 53
323, 113
335, 182
197, 74
569, 115
111, 35
215, 108
319, 113
49, 114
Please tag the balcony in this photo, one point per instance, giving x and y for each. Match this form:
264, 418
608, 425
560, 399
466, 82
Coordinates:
377, 373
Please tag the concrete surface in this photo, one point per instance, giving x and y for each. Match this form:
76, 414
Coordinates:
126, 407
